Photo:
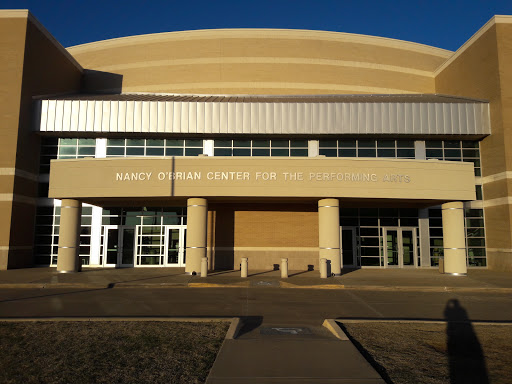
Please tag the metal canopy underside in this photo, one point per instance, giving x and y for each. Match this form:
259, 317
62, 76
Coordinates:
413, 115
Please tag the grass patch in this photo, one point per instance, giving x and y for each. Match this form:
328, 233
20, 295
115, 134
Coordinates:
108, 352
436, 353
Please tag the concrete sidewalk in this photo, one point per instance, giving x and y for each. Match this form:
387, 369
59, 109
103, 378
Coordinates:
276, 353
361, 279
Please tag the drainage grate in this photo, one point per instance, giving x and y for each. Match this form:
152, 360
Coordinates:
285, 331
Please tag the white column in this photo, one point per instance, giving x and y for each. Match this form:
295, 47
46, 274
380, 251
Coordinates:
197, 213
329, 233
454, 239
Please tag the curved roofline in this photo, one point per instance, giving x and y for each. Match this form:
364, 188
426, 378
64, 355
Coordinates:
263, 32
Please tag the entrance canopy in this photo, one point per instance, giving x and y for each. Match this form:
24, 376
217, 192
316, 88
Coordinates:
103, 181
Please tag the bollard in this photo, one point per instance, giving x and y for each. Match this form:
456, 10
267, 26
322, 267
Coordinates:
243, 267
204, 267
323, 268
284, 268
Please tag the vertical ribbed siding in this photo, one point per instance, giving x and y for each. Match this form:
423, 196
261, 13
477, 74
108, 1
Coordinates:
289, 118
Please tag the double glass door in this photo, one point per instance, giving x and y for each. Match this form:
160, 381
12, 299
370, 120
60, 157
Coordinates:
118, 246
400, 247
143, 246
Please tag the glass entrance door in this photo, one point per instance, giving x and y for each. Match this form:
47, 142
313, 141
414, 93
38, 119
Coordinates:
175, 245
399, 247
118, 246
348, 246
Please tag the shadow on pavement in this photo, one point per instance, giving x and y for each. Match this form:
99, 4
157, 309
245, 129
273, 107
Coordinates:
250, 323
465, 355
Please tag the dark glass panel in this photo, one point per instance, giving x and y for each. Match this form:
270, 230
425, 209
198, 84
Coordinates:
261, 152
134, 142
386, 144
173, 151
176, 143
405, 144
236, 143
194, 143
476, 242
327, 144
280, 144
115, 151
299, 152
280, 152
452, 144
223, 152
389, 221
155, 142
385, 153
86, 151
433, 144
479, 252
346, 152
115, 142
298, 143
67, 141
261, 143
366, 143
241, 151
328, 152
135, 151
405, 153
469, 144
155, 151
347, 143
89, 142
193, 151
434, 153
361, 152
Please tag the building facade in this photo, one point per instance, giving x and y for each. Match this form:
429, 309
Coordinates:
159, 150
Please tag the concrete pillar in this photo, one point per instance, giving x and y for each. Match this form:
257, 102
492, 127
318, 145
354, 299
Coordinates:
197, 212
204, 267
243, 267
329, 233
284, 268
323, 268
454, 239
69, 236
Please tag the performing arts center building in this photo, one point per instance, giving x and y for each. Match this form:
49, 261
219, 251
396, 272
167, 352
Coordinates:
160, 150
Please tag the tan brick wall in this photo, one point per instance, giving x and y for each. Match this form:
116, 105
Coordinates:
32, 64
483, 70
264, 62
265, 233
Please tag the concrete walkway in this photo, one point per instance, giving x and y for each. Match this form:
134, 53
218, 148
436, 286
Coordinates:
361, 279
276, 353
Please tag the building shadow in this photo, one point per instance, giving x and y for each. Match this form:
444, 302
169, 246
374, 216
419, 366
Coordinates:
101, 82
465, 355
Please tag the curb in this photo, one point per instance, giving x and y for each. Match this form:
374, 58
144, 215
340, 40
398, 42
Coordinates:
124, 318
335, 329
247, 284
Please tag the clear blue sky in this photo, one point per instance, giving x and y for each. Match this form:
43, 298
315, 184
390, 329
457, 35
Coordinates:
440, 23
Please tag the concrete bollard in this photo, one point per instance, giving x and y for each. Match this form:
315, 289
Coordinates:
204, 267
284, 268
243, 267
323, 268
